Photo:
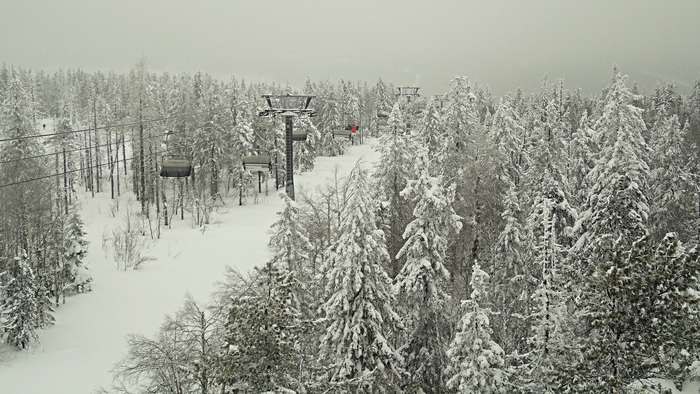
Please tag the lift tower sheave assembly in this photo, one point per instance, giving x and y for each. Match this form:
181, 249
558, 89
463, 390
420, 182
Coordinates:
408, 91
289, 106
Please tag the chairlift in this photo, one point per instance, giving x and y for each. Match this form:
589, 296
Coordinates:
257, 163
342, 133
175, 168
299, 135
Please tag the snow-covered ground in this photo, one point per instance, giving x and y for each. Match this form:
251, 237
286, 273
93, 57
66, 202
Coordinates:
76, 355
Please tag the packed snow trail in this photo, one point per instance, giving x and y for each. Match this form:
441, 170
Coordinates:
77, 354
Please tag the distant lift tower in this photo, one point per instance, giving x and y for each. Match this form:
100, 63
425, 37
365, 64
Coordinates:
289, 106
407, 91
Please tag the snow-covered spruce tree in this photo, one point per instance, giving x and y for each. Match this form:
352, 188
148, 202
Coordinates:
19, 311
693, 111
548, 237
423, 279
25, 206
509, 135
74, 248
467, 163
671, 187
288, 241
359, 304
614, 218
616, 205
291, 246
648, 302
383, 105
305, 152
580, 161
476, 362
395, 167
332, 121
431, 129
510, 277
261, 335
666, 305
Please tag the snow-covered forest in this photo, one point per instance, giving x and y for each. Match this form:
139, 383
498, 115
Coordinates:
538, 242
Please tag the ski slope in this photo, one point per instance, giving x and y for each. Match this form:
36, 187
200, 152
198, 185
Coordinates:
76, 355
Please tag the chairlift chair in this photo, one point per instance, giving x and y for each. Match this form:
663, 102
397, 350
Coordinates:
299, 135
175, 168
257, 163
342, 133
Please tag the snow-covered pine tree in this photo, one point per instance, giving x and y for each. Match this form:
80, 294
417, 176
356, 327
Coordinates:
19, 313
548, 235
305, 152
614, 219
261, 335
74, 248
359, 309
510, 277
423, 279
383, 106
580, 161
332, 121
431, 130
26, 206
616, 205
467, 163
476, 362
288, 241
290, 248
639, 308
395, 167
693, 119
671, 187
666, 305
509, 135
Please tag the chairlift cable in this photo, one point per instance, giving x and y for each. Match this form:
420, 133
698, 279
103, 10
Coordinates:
74, 150
68, 172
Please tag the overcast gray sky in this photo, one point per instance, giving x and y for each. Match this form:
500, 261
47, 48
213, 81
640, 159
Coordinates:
502, 44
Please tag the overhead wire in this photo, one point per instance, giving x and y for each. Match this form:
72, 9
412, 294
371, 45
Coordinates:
27, 137
76, 149
70, 171
79, 169
137, 123
134, 123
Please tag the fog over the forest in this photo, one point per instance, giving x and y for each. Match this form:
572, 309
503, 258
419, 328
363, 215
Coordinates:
504, 44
